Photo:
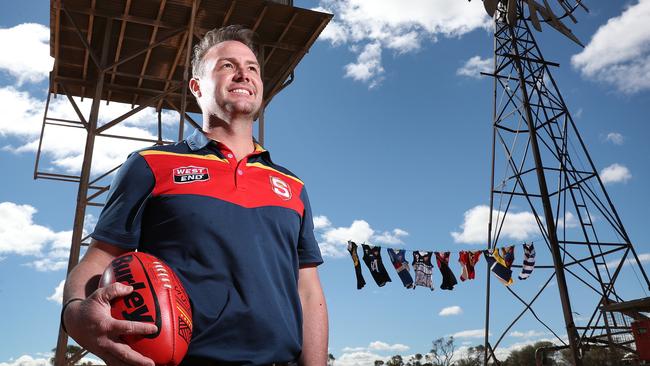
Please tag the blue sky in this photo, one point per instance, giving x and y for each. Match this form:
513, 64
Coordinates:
392, 138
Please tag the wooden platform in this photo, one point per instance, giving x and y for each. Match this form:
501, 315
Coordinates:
146, 45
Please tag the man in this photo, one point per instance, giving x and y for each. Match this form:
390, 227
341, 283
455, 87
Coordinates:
235, 227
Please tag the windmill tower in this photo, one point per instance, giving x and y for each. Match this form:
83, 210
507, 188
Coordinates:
541, 166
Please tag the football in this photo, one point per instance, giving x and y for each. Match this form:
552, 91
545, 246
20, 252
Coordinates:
158, 298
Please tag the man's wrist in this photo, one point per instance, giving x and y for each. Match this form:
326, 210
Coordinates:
65, 306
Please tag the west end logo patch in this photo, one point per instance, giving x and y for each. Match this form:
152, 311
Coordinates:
280, 188
190, 174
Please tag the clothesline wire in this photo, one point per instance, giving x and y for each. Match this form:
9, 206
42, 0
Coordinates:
439, 251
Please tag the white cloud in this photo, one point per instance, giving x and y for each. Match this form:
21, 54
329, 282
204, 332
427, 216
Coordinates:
370, 26
615, 138
578, 113
354, 349
321, 222
64, 146
368, 66
33, 62
570, 220
643, 258
615, 173
22, 115
26, 360
502, 353
474, 66
619, 51
57, 296
333, 240
366, 356
473, 333
451, 310
392, 237
517, 226
527, 334
383, 346
20, 235
361, 358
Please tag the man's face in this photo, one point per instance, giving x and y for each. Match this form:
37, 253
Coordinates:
231, 84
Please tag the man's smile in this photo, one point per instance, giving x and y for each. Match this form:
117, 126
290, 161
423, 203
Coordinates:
240, 90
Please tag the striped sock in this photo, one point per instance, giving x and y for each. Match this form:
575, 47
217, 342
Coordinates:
529, 261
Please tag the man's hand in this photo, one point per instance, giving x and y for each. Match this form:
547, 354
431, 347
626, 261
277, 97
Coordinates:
90, 323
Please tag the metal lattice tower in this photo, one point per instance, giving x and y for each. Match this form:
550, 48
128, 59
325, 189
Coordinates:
540, 163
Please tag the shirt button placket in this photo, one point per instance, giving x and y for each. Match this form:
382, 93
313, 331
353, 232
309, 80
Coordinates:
239, 175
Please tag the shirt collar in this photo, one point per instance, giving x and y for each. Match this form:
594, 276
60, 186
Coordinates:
198, 140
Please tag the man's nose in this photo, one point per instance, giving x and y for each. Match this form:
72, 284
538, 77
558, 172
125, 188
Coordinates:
242, 74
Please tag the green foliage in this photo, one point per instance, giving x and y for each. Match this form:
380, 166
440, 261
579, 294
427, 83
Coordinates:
442, 351
70, 351
419, 360
526, 356
474, 357
395, 361
594, 356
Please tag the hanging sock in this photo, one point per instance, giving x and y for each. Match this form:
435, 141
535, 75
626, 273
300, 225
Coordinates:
468, 260
498, 266
398, 258
352, 248
372, 258
448, 278
423, 269
529, 261
508, 254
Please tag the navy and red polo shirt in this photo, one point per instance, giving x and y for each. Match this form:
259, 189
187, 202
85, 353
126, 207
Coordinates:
235, 233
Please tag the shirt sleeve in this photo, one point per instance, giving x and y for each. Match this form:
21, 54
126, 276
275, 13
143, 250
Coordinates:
308, 250
120, 220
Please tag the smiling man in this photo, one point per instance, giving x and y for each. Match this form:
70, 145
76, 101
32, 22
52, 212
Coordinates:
235, 227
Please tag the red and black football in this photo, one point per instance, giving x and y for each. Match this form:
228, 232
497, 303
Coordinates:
158, 298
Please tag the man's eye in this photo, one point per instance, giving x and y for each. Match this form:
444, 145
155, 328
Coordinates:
226, 66
252, 68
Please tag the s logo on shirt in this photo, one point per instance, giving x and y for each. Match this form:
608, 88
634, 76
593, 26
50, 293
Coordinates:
280, 188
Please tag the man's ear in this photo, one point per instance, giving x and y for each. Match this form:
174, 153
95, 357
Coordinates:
195, 87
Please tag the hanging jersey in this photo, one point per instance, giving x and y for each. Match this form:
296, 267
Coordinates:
497, 266
352, 248
398, 258
372, 258
448, 278
529, 261
508, 255
423, 269
468, 260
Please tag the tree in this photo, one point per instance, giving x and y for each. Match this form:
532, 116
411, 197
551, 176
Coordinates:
395, 361
71, 351
379, 362
594, 356
474, 357
526, 356
442, 351
420, 360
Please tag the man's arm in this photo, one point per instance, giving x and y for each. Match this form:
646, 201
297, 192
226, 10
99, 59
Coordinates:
89, 322
314, 310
